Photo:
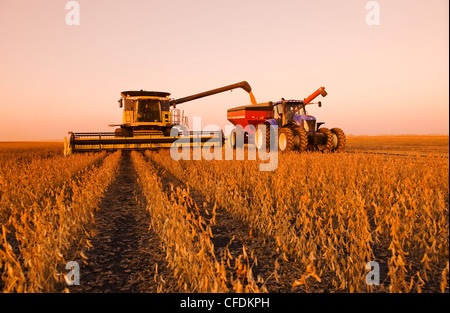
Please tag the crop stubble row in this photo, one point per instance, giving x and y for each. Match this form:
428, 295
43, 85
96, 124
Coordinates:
46, 208
334, 213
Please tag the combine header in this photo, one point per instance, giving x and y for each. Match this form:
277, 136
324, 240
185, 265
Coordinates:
148, 118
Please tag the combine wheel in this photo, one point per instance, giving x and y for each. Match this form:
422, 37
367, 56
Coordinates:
285, 139
338, 139
300, 139
328, 146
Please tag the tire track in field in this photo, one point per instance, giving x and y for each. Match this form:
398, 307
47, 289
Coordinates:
125, 256
233, 233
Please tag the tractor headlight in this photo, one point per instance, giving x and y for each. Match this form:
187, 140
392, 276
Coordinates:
306, 126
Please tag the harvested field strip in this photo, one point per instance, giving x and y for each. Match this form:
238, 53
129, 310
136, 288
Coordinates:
38, 237
403, 145
124, 254
398, 154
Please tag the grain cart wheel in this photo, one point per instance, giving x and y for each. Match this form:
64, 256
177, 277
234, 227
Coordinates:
328, 146
338, 139
233, 140
259, 135
236, 133
300, 139
285, 139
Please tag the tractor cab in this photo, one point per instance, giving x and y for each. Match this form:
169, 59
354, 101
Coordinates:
287, 112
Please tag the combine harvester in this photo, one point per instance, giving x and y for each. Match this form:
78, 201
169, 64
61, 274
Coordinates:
148, 118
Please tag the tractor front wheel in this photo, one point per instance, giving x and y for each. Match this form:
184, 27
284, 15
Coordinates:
285, 139
328, 144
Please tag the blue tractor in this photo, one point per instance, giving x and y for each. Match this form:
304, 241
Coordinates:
297, 130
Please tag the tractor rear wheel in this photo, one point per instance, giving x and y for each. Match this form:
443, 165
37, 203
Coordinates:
328, 145
285, 139
300, 139
270, 128
339, 139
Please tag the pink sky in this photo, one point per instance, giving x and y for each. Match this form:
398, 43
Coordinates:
386, 79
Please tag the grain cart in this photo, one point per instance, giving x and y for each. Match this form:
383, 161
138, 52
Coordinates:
296, 129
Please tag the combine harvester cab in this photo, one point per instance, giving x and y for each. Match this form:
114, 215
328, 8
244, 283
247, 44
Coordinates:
296, 129
148, 120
